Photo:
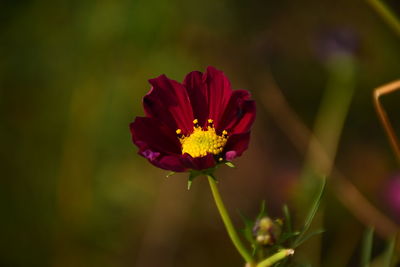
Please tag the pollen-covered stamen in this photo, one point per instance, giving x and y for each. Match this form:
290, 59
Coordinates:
196, 123
203, 141
179, 132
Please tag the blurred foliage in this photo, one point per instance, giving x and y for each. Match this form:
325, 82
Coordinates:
72, 74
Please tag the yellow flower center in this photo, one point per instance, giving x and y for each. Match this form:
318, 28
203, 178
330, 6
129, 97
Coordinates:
201, 142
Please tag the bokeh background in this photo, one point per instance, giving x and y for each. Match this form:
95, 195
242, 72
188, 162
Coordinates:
73, 190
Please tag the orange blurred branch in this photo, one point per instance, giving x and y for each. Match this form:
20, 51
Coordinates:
378, 92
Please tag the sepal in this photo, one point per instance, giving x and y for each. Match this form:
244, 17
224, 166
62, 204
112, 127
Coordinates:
196, 173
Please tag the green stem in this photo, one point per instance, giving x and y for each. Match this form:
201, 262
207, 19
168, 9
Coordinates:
280, 255
228, 223
387, 14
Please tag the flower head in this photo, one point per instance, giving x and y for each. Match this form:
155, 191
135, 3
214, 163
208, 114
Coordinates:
267, 231
193, 125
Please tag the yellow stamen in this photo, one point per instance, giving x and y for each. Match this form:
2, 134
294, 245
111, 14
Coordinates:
202, 142
178, 131
210, 121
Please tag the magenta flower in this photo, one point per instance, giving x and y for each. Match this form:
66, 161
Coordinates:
193, 125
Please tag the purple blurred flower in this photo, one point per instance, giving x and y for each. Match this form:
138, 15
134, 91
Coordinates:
392, 195
335, 41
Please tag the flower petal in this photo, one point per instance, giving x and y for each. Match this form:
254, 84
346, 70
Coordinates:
168, 162
202, 163
168, 101
157, 143
236, 145
198, 95
155, 135
219, 93
239, 114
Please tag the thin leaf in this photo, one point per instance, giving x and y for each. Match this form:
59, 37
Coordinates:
389, 252
189, 184
288, 219
367, 247
312, 212
248, 229
170, 174
306, 237
315, 206
263, 211
286, 236
230, 164
247, 232
295, 233
193, 174
247, 222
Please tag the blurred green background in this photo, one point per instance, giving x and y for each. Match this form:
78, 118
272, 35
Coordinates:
73, 190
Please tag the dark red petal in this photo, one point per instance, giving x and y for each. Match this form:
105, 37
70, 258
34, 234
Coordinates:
171, 163
236, 145
198, 95
157, 143
198, 163
166, 162
169, 102
245, 120
219, 93
234, 110
149, 133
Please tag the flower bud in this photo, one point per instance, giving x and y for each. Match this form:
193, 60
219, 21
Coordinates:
263, 239
267, 231
265, 224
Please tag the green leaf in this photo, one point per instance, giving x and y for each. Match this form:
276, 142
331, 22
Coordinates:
170, 174
308, 236
248, 229
389, 252
263, 211
193, 174
230, 164
286, 236
367, 247
312, 212
288, 219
